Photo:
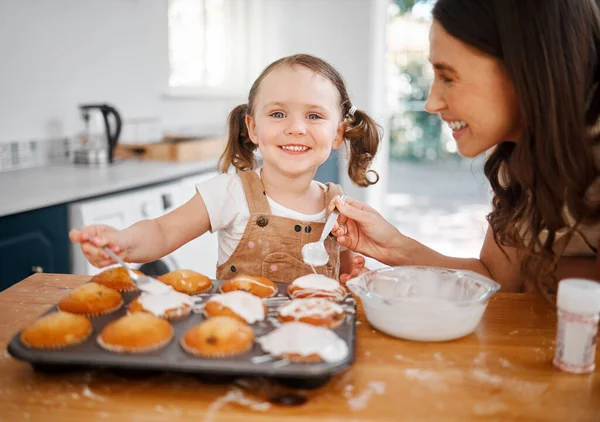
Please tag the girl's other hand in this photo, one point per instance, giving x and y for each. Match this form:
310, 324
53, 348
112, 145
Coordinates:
358, 268
93, 238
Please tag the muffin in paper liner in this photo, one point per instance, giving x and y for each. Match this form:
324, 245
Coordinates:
218, 337
136, 333
237, 304
116, 278
317, 286
171, 314
57, 330
91, 299
258, 286
300, 342
314, 311
186, 281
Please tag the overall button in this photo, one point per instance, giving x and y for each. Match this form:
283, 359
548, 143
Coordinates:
233, 269
308, 229
298, 227
262, 221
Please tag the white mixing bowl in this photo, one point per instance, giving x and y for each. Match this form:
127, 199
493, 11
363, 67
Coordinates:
423, 303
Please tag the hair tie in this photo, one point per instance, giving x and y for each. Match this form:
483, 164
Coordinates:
351, 111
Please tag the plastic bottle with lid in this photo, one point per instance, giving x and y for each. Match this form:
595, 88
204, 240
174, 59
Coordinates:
578, 303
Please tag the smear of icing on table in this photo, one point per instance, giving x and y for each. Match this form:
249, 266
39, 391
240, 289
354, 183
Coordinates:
361, 400
235, 395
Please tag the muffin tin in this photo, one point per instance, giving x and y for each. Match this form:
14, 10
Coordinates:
174, 359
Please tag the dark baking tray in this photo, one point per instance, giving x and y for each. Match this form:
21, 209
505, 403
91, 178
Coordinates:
173, 358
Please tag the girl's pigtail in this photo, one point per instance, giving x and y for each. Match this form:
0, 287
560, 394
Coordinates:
239, 151
363, 136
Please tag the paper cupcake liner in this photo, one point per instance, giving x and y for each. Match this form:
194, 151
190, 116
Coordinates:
169, 315
220, 355
220, 290
59, 346
93, 314
296, 358
125, 349
101, 313
303, 294
331, 324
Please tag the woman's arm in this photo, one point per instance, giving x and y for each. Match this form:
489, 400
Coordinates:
583, 267
500, 264
364, 230
578, 266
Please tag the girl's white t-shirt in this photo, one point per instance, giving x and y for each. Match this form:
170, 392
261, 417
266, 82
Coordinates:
228, 210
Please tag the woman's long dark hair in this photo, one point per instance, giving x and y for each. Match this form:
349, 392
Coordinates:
549, 49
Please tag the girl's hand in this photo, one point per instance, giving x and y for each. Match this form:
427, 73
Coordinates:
358, 268
362, 229
92, 238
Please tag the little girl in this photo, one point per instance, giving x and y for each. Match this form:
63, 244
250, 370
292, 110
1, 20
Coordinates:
298, 110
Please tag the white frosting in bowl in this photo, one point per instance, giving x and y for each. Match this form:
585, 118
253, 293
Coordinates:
305, 340
244, 304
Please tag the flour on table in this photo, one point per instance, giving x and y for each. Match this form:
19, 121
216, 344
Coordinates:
91, 395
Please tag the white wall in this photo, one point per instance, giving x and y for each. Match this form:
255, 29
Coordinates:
339, 31
57, 54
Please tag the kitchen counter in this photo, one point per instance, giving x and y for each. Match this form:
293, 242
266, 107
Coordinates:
29, 189
501, 372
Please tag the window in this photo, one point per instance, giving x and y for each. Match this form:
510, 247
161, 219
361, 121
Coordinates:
208, 47
415, 134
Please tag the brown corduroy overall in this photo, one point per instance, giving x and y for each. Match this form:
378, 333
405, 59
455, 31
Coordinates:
271, 246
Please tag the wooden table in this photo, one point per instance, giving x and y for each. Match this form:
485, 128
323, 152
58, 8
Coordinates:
501, 372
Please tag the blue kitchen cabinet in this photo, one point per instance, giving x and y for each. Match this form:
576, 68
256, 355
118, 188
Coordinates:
329, 170
34, 241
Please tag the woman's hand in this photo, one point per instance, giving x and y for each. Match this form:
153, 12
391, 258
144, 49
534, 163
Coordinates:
362, 229
93, 238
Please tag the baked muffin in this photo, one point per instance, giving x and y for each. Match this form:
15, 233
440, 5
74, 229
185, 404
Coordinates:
187, 281
91, 299
316, 285
300, 342
136, 333
313, 311
170, 306
116, 278
56, 330
237, 304
218, 337
258, 286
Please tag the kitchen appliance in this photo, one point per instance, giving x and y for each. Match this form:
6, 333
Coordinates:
100, 135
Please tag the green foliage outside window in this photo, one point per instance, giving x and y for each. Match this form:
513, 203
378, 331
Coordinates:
415, 135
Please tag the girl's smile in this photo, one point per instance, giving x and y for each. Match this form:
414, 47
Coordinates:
295, 149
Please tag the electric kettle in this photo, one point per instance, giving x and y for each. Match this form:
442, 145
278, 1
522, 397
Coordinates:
100, 135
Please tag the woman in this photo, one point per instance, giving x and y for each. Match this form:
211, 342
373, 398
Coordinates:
517, 79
